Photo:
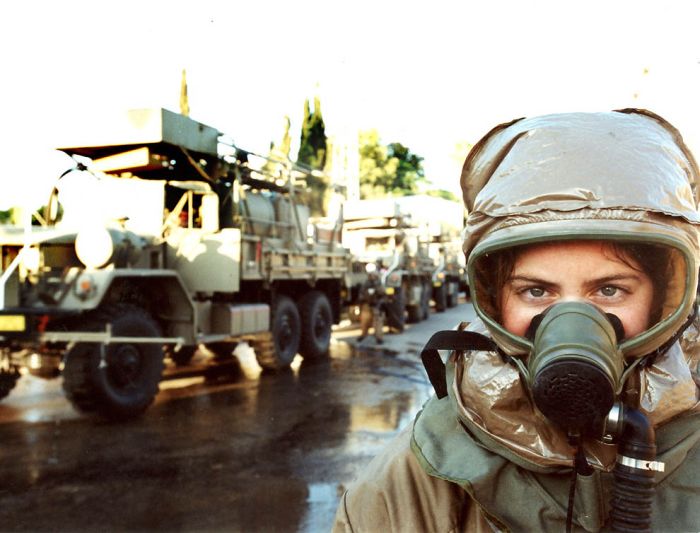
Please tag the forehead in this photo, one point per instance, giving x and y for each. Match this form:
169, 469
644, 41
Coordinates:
577, 254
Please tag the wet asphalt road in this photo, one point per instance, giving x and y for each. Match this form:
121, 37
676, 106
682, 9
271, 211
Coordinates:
251, 452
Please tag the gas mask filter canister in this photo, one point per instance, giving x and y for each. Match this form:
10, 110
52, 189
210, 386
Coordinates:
575, 366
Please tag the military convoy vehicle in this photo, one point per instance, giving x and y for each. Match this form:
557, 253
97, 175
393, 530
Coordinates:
448, 275
166, 238
400, 235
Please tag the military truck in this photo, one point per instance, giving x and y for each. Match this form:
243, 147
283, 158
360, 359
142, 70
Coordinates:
169, 238
415, 242
381, 231
442, 221
448, 275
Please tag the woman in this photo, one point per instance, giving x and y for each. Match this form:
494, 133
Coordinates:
582, 246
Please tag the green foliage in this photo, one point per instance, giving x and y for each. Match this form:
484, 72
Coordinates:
313, 150
316, 197
409, 169
14, 216
279, 152
391, 169
442, 193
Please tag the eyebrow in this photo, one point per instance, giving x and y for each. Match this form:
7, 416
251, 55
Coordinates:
596, 281
529, 279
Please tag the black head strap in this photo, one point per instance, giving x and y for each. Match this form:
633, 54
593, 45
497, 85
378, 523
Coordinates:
450, 340
649, 358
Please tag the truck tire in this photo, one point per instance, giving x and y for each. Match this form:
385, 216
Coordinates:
125, 383
415, 313
440, 297
8, 380
286, 334
453, 295
425, 299
396, 311
316, 321
412, 310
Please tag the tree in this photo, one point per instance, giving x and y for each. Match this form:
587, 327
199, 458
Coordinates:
375, 172
442, 193
313, 145
279, 152
409, 169
313, 148
391, 169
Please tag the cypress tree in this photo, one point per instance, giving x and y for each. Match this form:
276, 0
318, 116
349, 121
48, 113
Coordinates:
313, 148
313, 145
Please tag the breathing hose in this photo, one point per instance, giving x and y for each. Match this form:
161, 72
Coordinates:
634, 471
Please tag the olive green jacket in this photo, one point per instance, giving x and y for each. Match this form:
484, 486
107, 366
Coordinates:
436, 476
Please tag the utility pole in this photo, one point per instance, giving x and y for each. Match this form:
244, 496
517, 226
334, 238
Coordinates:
184, 102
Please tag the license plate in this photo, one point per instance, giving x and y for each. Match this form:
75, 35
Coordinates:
390, 290
437, 283
12, 323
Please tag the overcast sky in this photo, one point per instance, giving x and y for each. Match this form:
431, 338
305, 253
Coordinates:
431, 75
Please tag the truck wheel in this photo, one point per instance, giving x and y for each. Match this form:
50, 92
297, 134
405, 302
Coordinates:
425, 300
8, 380
453, 295
117, 381
316, 321
183, 356
440, 297
415, 313
286, 332
396, 311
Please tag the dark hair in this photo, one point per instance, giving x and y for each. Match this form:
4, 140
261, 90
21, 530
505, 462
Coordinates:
493, 271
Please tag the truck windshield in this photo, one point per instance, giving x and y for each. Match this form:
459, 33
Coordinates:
135, 203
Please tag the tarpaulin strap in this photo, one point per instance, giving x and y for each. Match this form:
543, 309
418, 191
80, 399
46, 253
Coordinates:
449, 340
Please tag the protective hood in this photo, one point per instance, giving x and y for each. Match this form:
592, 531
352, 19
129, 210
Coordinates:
622, 176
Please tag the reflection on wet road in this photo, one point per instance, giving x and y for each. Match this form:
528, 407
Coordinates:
244, 451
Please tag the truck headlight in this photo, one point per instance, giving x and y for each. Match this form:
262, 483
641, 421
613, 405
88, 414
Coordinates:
94, 247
